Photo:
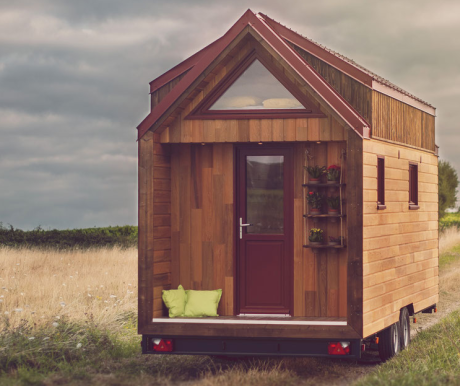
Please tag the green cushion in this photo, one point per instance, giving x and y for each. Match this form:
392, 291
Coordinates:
175, 301
202, 303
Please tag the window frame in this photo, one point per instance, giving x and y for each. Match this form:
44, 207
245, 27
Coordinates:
413, 186
202, 110
381, 182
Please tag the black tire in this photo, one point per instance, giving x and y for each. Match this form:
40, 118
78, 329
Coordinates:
389, 342
404, 324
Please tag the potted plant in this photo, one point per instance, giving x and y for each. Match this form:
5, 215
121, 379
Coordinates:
315, 173
316, 236
334, 240
333, 174
333, 204
315, 201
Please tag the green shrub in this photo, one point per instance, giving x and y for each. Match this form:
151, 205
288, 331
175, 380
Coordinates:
123, 236
449, 220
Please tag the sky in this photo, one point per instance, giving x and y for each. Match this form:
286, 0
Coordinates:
74, 85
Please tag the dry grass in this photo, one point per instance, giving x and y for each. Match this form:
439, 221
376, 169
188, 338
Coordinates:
448, 239
39, 285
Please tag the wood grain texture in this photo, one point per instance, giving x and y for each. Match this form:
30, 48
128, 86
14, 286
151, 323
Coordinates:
324, 277
204, 220
154, 226
355, 231
354, 92
400, 257
252, 331
398, 122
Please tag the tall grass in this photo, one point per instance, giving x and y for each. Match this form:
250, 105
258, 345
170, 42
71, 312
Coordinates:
38, 285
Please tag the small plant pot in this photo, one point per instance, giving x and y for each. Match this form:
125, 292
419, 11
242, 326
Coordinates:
314, 243
334, 212
313, 181
332, 243
333, 182
315, 211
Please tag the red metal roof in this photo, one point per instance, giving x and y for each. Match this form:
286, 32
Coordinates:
276, 36
353, 69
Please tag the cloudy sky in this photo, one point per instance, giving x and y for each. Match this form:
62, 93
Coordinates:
74, 85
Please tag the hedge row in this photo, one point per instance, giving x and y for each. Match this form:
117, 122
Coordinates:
449, 220
123, 236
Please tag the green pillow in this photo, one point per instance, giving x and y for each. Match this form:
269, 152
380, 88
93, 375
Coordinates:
202, 303
175, 301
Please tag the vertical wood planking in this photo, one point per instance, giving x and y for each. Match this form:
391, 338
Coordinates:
355, 232
203, 220
298, 274
399, 122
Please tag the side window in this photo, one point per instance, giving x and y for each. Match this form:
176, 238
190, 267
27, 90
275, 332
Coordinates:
381, 183
413, 186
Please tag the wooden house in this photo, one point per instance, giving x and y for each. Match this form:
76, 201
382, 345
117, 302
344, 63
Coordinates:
223, 186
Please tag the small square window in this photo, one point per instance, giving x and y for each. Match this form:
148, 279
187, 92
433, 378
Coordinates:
381, 183
413, 186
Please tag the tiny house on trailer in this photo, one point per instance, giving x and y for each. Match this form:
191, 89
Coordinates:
298, 182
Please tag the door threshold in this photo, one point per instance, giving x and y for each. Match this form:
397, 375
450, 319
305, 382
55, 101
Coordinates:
265, 315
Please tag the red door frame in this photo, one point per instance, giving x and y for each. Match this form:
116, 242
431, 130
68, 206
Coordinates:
270, 149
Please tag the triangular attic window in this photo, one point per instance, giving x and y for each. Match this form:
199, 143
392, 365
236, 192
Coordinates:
255, 89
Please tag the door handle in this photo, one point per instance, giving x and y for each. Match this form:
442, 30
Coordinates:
241, 227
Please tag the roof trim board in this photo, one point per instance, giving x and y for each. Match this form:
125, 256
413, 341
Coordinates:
391, 92
308, 74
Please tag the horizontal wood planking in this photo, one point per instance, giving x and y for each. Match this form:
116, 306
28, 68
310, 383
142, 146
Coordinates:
396, 121
252, 331
400, 258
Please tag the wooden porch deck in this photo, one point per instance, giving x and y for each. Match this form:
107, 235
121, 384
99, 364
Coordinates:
258, 320
253, 326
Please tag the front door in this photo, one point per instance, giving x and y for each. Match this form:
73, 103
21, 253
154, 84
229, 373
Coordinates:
264, 232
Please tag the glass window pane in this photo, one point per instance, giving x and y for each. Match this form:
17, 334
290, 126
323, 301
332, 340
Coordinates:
265, 194
256, 88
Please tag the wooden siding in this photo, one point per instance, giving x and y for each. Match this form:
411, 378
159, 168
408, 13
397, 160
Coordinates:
398, 122
154, 201
202, 219
354, 92
202, 226
157, 95
400, 245
355, 231
154, 226
320, 280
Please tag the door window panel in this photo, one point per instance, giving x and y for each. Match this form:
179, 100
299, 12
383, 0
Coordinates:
265, 194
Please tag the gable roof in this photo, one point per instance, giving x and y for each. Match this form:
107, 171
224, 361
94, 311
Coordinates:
278, 38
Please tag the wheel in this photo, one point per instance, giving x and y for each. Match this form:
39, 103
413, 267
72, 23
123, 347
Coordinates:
404, 324
389, 342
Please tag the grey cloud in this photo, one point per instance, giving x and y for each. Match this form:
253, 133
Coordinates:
74, 85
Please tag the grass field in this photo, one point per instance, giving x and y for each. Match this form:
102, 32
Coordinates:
69, 317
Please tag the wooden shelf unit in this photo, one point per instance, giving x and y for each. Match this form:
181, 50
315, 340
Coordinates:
315, 217
322, 185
